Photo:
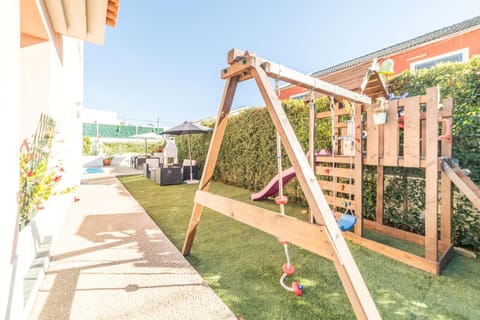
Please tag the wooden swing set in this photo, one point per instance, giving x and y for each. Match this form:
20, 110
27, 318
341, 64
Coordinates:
323, 238
410, 139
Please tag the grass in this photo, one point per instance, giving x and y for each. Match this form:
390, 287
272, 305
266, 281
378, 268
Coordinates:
243, 266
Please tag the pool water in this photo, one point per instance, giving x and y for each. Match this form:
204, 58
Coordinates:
92, 170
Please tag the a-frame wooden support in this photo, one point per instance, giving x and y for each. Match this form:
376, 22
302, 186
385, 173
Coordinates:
325, 238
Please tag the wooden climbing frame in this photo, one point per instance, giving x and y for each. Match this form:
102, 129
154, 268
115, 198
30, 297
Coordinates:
410, 139
324, 237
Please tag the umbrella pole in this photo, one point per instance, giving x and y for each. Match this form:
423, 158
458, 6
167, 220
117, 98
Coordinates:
190, 156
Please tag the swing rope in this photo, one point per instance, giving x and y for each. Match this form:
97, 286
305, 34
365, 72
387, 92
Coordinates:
348, 219
281, 200
334, 148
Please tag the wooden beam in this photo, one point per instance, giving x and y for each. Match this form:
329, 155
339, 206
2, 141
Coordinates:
431, 175
463, 183
110, 22
372, 143
329, 171
291, 76
411, 148
211, 160
285, 74
240, 68
311, 237
355, 287
446, 184
112, 7
401, 234
358, 170
396, 254
445, 258
391, 135
329, 159
311, 142
380, 194
328, 114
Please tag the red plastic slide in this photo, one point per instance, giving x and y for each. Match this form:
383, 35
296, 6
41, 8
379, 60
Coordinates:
272, 187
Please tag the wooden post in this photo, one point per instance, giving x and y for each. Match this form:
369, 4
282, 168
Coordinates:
446, 184
211, 160
380, 170
380, 190
431, 175
411, 143
358, 170
352, 280
311, 141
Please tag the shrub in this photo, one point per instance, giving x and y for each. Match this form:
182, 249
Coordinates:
247, 156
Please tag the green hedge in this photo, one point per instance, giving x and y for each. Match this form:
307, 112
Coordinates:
247, 156
116, 130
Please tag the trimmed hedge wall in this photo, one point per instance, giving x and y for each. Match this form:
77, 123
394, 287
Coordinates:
248, 154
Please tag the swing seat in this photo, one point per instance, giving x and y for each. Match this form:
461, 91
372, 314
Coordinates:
346, 222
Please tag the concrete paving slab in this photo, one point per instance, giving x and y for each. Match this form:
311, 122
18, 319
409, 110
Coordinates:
111, 261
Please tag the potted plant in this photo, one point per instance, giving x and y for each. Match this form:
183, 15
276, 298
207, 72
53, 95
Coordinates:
107, 160
158, 149
380, 112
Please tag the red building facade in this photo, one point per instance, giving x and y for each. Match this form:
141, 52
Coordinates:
458, 43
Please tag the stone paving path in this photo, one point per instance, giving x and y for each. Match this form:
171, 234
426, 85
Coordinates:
111, 261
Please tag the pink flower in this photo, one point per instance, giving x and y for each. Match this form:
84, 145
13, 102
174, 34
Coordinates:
29, 173
57, 178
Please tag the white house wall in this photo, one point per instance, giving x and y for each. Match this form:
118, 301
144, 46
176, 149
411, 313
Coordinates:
35, 86
10, 109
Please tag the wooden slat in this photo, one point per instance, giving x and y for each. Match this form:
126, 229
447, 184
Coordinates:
401, 234
211, 159
446, 257
393, 253
340, 202
423, 138
463, 183
329, 159
431, 174
411, 148
340, 125
339, 187
311, 142
337, 172
291, 76
391, 135
380, 190
358, 174
312, 236
328, 114
401, 162
372, 139
446, 185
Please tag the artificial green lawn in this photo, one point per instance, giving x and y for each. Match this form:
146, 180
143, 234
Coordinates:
243, 266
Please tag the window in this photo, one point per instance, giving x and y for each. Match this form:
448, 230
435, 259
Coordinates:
454, 56
299, 96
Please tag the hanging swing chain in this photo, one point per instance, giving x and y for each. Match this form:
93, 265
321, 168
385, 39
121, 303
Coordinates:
352, 139
334, 146
279, 157
280, 174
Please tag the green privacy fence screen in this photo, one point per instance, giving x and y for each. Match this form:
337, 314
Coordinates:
116, 131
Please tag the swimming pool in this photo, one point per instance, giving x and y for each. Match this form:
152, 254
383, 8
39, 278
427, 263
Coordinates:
92, 170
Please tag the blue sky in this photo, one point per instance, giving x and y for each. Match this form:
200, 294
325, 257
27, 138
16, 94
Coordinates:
162, 61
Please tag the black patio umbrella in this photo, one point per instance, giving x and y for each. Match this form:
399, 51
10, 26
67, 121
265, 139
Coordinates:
188, 128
